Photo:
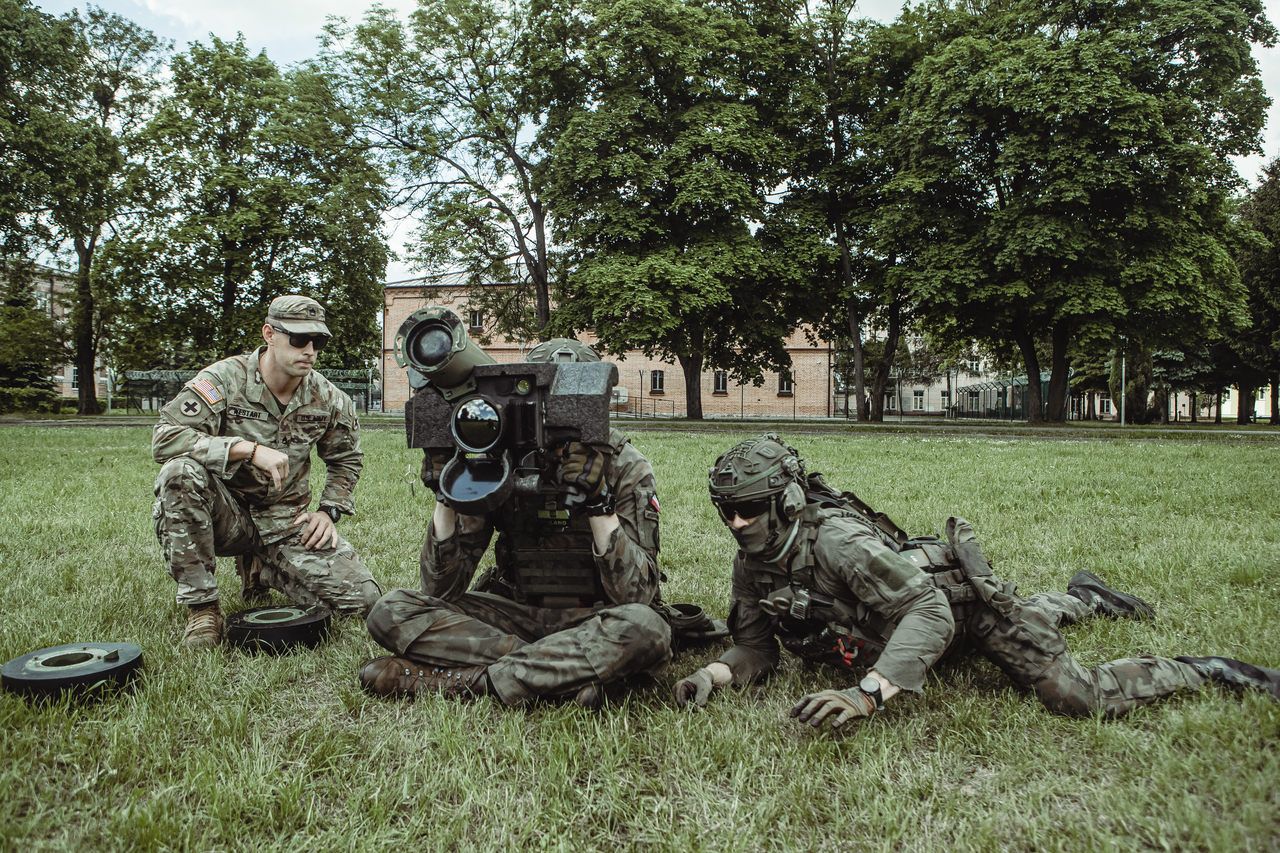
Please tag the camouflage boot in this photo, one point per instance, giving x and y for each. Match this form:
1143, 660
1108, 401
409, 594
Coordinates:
1106, 601
590, 697
1236, 674
204, 626
392, 676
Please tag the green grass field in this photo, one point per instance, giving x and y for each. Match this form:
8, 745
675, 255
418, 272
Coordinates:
230, 751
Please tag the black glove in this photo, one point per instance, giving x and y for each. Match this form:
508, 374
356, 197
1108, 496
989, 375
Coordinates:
844, 704
696, 687
582, 468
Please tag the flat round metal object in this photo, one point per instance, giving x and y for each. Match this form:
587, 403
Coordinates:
278, 629
78, 668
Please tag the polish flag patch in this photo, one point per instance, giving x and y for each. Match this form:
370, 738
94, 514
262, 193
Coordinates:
206, 390
653, 502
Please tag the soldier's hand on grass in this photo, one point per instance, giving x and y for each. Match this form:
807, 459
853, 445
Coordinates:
696, 688
840, 706
273, 462
319, 532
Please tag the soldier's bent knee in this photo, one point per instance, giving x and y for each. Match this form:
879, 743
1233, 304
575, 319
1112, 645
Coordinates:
182, 472
646, 624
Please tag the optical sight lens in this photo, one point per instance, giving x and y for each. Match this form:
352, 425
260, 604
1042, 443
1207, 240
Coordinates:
476, 425
431, 347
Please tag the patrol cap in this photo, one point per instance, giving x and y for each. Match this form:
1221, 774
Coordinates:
297, 314
561, 349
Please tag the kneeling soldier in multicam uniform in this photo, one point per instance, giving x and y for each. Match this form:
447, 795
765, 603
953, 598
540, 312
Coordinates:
567, 608
235, 445
840, 583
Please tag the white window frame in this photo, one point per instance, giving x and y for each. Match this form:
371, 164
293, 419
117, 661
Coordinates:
657, 382
917, 400
720, 382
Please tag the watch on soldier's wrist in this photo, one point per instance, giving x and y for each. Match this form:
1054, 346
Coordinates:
601, 504
871, 687
333, 512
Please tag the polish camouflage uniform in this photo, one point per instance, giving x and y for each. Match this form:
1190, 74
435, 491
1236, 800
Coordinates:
537, 641
894, 616
208, 506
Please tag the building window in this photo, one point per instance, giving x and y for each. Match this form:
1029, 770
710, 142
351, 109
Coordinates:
973, 364
917, 401
890, 402
476, 323
75, 379
1104, 404
720, 384
657, 381
946, 395
973, 401
786, 384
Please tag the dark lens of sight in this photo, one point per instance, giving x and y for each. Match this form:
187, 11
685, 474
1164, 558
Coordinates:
430, 347
476, 425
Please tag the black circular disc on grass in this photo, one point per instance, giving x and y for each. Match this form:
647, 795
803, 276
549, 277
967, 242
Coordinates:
278, 629
83, 669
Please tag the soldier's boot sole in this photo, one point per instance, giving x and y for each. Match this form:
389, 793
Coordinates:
1092, 590
1236, 674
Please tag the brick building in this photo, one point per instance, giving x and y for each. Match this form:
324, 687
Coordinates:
645, 385
53, 289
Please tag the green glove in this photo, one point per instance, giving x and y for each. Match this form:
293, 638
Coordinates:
582, 467
696, 687
845, 705
433, 462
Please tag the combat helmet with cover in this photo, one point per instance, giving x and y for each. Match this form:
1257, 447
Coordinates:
561, 350
760, 478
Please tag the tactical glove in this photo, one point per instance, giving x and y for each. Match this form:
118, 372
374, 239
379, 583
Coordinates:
696, 687
845, 705
582, 467
433, 462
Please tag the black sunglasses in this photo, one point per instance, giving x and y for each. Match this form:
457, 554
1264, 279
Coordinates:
743, 509
301, 341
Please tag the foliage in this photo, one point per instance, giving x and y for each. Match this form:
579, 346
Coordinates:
31, 343
444, 105
1067, 165
263, 191
659, 168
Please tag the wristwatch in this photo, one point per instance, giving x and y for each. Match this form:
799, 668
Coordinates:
333, 512
871, 687
602, 504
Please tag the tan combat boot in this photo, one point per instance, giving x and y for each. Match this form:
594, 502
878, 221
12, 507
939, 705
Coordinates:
204, 626
392, 676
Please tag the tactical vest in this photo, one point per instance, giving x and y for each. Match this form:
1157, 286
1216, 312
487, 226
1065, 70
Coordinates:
544, 554
827, 630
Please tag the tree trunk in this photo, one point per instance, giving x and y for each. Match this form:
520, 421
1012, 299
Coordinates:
1275, 399
859, 363
1244, 404
1192, 408
885, 366
691, 365
1090, 413
82, 323
1058, 367
1033, 408
1217, 412
541, 275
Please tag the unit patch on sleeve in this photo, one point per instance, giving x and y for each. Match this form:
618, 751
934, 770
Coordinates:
208, 392
190, 408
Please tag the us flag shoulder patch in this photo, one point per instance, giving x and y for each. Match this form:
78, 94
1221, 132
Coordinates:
206, 390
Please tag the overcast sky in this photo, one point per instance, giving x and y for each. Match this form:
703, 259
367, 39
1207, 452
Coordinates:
288, 29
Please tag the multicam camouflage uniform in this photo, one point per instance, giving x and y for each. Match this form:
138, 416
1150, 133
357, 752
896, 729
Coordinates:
534, 639
901, 620
207, 505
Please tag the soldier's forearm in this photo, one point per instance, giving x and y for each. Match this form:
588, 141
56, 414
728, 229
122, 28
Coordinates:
602, 527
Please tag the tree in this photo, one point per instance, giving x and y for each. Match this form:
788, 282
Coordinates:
108, 103
265, 191
39, 57
445, 104
660, 168
31, 342
1074, 163
1257, 344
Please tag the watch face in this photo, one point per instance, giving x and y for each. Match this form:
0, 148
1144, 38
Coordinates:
869, 685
